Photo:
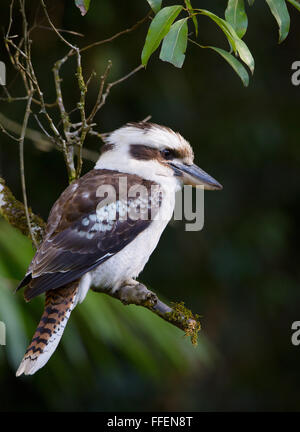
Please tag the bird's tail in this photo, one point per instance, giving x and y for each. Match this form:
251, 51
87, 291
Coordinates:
59, 304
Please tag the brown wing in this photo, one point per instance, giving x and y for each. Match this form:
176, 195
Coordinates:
79, 238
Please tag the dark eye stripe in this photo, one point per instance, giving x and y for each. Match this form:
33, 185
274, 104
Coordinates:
143, 152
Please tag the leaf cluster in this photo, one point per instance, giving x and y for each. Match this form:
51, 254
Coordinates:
174, 34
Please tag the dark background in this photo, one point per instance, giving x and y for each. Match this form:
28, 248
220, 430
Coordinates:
240, 273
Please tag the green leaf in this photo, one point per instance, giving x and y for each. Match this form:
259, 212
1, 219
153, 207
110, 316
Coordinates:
83, 6
175, 43
224, 26
155, 5
158, 29
235, 14
234, 63
281, 14
295, 3
245, 54
191, 11
237, 44
251, 2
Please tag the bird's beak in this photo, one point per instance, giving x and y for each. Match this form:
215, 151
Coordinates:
195, 176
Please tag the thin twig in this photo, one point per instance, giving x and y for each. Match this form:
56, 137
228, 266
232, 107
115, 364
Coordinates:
100, 92
43, 129
68, 146
10, 99
125, 77
8, 134
42, 142
59, 100
114, 83
18, 49
81, 106
110, 39
55, 29
10, 18
28, 72
72, 32
22, 169
146, 119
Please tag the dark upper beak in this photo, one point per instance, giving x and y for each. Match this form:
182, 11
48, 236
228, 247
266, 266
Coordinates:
195, 176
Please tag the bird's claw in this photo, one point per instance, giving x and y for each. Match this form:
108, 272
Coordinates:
137, 294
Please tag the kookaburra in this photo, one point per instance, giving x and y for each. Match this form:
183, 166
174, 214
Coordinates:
92, 238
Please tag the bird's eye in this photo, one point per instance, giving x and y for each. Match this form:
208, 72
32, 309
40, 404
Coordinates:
167, 154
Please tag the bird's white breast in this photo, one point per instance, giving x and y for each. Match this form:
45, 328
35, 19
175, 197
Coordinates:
130, 261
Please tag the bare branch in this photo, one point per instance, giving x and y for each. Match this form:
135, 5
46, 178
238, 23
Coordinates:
8, 134
60, 102
74, 134
110, 86
146, 119
10, 99
39, 139
110, 39
22, 168
99, 96
124, 78
10, 18
72, 32
55, 29
42, 142
81, 106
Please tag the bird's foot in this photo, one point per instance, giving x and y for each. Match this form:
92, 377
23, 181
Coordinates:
136, 294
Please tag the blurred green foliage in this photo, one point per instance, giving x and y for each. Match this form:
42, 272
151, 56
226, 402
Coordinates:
102, 333
240, 273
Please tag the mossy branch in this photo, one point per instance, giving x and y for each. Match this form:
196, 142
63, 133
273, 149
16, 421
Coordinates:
176, 314
14, 212
180, 316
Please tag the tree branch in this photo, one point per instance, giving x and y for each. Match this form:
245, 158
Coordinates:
177, 315
110, 39
22, 168
43, 142
14, 213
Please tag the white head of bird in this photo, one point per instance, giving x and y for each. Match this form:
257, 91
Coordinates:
155, 153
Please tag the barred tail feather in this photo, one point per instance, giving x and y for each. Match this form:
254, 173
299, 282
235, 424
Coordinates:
59, 304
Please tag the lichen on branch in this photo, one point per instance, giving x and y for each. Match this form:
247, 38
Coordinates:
14, 213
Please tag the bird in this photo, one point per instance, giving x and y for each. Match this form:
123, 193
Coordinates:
101, 234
